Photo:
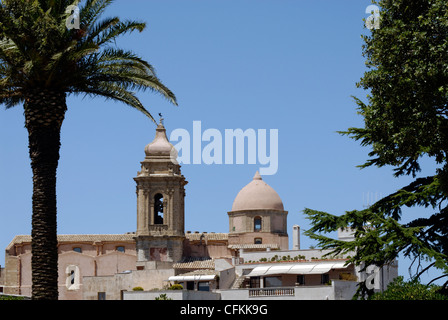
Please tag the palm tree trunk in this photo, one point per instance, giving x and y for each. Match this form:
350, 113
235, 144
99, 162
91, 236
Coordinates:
44, 114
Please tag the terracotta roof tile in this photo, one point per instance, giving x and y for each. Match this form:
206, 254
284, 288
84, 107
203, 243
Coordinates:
195, 263
254, 246
203, 272
19, 239
207, 236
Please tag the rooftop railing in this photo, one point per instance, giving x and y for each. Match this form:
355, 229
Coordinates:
270, 292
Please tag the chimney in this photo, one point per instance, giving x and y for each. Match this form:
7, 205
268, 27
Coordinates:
295, 237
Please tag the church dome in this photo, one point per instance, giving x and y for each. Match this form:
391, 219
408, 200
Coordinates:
160, 146
257, 195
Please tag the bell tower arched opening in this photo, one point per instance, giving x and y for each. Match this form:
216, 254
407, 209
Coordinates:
158, 208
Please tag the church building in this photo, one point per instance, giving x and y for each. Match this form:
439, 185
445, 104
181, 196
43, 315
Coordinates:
251, 261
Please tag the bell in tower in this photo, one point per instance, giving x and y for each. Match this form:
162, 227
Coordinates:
160, 205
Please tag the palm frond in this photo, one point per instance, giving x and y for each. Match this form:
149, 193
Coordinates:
56, 6
92, 10
115, 92
71, 60
9, 52
112, 55
118, 29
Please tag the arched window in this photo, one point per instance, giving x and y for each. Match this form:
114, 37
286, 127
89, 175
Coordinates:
72, 277
158, 209
257, 224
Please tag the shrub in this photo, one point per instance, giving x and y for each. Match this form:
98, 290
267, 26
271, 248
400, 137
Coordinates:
176, 287
137, 289
6, 297
163, 296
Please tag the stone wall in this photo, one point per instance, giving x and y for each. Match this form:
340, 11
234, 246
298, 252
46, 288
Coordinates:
115, 286
171, 294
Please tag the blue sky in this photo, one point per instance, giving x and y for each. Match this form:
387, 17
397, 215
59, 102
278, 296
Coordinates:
289, 65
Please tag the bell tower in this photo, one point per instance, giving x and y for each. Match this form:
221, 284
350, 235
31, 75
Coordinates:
160, 205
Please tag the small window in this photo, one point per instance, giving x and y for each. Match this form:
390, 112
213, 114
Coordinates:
120, 248
72, 277
257, 224
101, 295
72, 281
301, 279
255, 282
190, 285
203, 286
325, 278
272, 282
258, 241
77, 249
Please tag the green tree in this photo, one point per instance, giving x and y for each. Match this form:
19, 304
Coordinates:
409, 290
42, 61
405, 120
163, 296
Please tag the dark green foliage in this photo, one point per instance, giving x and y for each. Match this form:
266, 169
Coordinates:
163, 296
405, 119
7, 297
38, 50
410, 290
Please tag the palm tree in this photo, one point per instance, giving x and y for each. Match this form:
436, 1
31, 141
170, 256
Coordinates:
42, 61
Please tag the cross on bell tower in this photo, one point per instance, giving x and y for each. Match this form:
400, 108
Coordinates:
160, 204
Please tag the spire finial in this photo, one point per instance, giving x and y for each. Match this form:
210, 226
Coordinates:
257, 176
161, 119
